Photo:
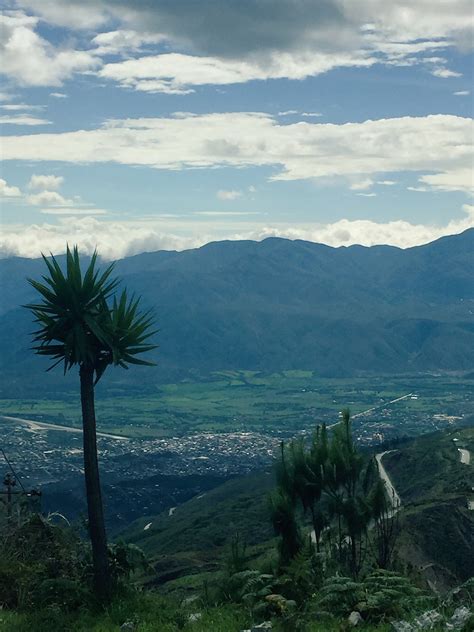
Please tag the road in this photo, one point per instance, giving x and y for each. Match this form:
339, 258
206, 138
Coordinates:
465, 456
38, 425
370, 410
391, 491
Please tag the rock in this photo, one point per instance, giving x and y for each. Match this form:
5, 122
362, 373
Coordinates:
402, 626
195, 616
428, 620
460, 617
266, 625
355, 618
128, 626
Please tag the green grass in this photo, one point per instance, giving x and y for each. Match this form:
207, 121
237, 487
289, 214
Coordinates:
252, 401
151, 613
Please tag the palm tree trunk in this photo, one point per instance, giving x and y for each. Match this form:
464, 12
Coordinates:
102, 577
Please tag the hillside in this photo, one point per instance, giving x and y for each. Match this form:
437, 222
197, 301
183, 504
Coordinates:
435, 488
437, 528
195, 535
276, 305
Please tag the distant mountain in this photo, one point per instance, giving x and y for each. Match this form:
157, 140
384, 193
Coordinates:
275, 305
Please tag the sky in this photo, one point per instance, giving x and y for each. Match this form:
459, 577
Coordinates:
156, 124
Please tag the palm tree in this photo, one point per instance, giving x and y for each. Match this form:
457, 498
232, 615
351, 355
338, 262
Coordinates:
78, 326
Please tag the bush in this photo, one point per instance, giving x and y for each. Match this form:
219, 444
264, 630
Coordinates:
65, 593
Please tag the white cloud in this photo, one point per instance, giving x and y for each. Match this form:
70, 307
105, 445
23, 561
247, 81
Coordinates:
287, 112
462, 93
120, 239
386, 183
17, 107
445, 73
8, 191
437, 145
311, 114
48, 198
228, 195
224, 213
224, 45
30, 60
73, 210
361, 185
121, 41
228, 31
76, 14
176, 73
58, 95
21, 119
456, 180
42, 182
367, 194
419, 189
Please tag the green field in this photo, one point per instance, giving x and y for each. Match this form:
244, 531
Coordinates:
272, 403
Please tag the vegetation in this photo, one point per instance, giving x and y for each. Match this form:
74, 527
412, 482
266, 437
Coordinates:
46, 572
343, 495
275, 403
78, 327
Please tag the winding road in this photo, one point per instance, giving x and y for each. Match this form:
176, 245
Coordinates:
391, 491
465, 456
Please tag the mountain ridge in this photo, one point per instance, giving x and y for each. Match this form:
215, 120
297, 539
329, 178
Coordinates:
280, 304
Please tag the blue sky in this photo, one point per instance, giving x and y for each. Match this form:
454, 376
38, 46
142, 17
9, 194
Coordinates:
158, 124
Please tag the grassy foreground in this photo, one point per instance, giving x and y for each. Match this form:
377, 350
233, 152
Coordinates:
150, 613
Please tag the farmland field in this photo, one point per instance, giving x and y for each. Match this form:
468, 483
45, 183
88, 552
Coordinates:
278, 403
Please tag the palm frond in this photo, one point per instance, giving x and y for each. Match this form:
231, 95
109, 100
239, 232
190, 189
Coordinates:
76, 325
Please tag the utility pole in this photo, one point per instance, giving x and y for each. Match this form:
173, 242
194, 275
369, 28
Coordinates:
9, 481
10, 492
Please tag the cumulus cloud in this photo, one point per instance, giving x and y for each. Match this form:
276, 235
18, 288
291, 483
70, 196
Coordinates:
8, 191
30, 60
122, 41
177, 73
50, 182
361, 185
119, 239
228, 31
58, 95
436, 145
228, 195
292, 40
45, 195
456, 180
445, 73
48, 198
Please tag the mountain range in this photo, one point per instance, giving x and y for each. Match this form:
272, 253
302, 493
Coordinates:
275, 305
